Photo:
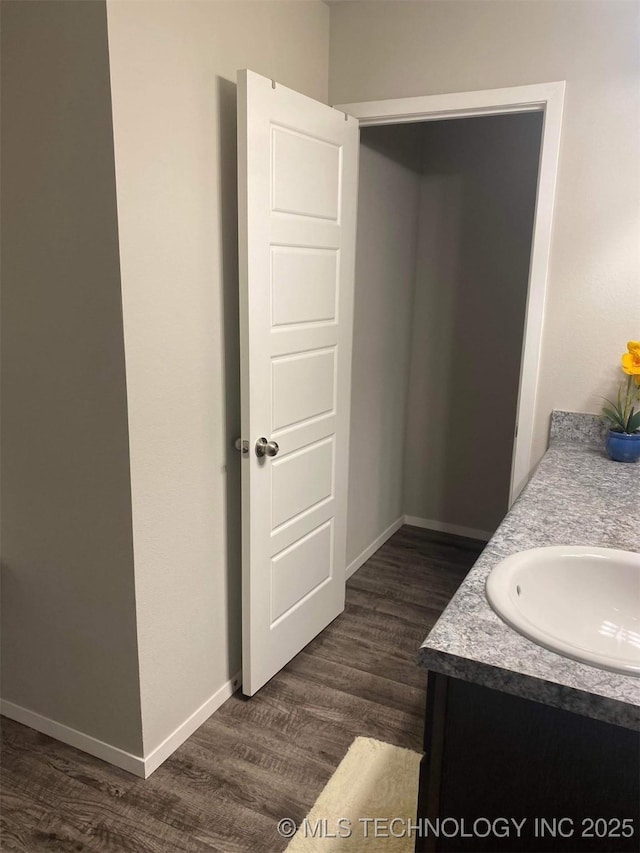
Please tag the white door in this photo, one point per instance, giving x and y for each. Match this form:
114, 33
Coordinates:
297, 186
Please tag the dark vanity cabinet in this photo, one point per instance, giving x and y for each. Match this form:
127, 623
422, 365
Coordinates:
503, 773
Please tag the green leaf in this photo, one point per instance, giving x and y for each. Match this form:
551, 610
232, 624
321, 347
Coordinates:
615, 418
633, 423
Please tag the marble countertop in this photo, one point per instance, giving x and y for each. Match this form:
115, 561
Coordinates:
576, 496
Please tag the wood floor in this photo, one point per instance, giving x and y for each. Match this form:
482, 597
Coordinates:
258, 760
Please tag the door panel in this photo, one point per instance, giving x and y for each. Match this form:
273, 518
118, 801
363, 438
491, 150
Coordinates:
303, 285
303, 386
289, 585
297, 168
305, 175
301, 480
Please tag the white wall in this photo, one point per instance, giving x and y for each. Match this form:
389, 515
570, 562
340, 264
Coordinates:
477, 201
384, 286
388, 50
69, 648
173, 69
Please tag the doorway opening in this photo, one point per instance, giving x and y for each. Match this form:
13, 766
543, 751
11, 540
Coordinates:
448, 214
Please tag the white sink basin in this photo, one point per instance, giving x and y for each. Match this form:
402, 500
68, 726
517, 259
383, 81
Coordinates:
581, 602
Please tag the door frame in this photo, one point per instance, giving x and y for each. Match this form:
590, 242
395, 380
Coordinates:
547, 98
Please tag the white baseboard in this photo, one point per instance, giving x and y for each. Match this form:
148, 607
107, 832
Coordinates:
445, 527
136, 764
370, 551
188, 727
98, 748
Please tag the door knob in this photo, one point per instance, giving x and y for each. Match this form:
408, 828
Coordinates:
266, 448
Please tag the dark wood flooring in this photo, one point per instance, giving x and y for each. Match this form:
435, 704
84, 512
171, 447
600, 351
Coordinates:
255, 760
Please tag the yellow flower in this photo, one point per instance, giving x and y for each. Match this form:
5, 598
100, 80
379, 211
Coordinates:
631, 361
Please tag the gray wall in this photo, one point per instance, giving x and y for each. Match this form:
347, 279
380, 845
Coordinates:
173, 71
477, 203
393, 50
385, 275
97, 471
69, 649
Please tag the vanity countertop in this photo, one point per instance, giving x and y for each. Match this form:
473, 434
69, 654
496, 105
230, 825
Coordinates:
576, 496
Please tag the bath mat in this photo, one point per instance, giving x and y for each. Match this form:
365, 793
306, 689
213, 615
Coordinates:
368, 804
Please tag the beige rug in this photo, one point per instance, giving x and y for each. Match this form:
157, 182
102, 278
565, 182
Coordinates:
368, 804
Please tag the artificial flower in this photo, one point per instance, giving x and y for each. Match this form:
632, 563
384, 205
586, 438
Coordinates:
631, 361
624, 414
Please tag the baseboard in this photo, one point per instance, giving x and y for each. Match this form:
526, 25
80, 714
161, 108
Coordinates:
370, 551
445, 527
188, 727
98, 748
136, 764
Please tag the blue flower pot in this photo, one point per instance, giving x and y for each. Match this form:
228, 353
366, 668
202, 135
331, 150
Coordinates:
622, 447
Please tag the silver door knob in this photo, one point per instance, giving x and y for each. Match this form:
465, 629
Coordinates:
266, 448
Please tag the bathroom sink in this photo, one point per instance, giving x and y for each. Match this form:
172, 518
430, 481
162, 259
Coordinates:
581, 602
